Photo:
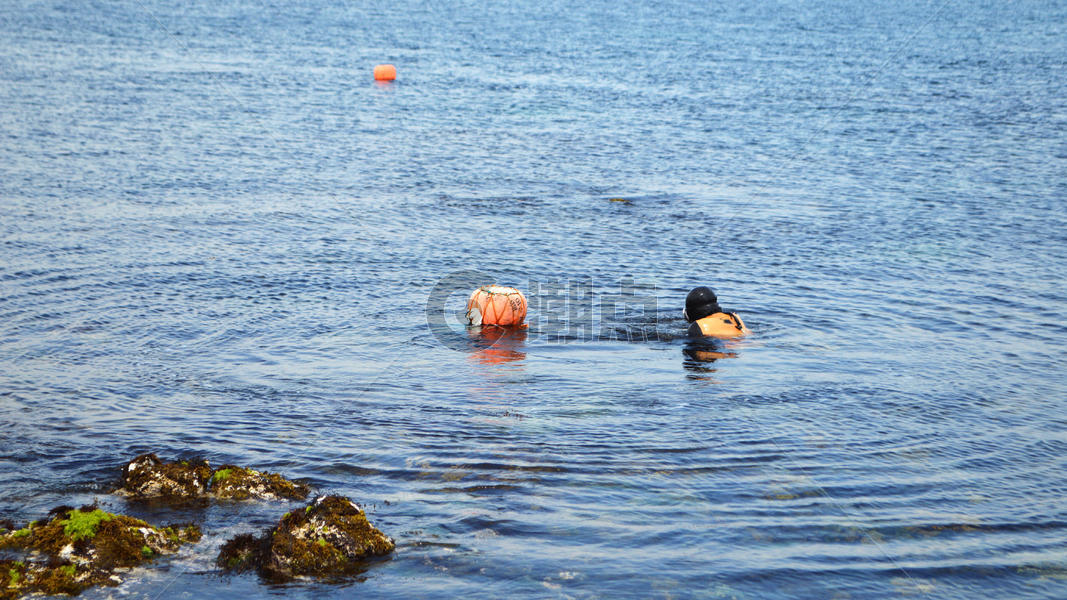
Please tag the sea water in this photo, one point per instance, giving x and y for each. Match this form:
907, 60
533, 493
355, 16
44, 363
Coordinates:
220, 238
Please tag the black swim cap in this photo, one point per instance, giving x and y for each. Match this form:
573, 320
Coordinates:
700, 303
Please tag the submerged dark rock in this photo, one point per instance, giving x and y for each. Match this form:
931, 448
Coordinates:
78, 548
242, 553
240, 483
148, 477
330, 537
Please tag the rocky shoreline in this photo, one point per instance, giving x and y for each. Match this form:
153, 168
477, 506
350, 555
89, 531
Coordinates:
73, 549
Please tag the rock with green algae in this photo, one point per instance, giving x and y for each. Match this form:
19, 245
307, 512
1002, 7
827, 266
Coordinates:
240, 483
19, 578
242, 553
148, 477
79, 548
331, 537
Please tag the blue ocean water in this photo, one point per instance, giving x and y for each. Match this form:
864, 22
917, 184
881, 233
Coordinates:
220, 238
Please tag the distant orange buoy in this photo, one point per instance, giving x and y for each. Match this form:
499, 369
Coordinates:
384, 73
496, 305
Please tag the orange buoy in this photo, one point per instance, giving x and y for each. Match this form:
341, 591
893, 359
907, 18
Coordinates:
496, 305
384, 73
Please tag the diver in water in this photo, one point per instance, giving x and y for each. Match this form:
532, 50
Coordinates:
708, 319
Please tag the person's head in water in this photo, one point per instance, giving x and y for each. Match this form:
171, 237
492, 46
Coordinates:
708, 319
700, 303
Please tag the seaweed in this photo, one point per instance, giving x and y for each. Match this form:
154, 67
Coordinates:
240, 483
82, 548
148, 477
329, 538
220, 476
241, 553
81, 525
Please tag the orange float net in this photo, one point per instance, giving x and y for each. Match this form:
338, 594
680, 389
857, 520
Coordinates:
496, 305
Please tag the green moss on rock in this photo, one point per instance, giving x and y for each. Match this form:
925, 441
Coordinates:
14, 580
329, 538
83, 524
239, 483
79, 548
64, 579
